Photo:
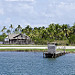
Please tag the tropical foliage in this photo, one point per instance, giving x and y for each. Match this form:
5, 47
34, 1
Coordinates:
61, 34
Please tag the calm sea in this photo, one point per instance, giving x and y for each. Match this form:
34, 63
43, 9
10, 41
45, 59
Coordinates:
33, 63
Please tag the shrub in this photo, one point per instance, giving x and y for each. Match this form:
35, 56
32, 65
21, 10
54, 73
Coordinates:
72, 39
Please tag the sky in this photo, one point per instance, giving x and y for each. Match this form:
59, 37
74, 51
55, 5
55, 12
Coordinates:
36, 13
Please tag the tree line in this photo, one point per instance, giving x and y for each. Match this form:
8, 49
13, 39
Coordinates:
61, 34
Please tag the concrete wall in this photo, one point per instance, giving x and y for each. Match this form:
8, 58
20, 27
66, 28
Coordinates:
51, 48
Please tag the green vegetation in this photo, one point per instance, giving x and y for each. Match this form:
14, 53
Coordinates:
26, 50
61, 34
36, 50
72, 39
23, 45
2, 37
67, 50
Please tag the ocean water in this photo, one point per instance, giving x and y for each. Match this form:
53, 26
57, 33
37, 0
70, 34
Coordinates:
33, 63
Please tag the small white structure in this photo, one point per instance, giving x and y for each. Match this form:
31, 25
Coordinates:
51, 48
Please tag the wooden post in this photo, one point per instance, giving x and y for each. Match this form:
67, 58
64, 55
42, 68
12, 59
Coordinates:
43, 54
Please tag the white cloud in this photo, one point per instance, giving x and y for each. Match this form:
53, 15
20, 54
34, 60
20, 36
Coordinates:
61, 9
23, 9
24, 6
20, 9
19, 0
1, 11
49, 15
63, 5
67, 6
36, 12
8, 20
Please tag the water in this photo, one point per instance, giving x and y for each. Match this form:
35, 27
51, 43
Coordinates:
33, 63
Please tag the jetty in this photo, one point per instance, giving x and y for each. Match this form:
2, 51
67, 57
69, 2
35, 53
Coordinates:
52, 53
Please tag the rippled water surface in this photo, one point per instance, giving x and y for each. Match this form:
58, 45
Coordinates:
33, 63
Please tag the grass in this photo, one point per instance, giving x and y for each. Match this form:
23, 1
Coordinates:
36, 50
67, 50
23, 45
24, 50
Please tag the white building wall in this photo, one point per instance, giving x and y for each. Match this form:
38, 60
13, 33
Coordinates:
51, 48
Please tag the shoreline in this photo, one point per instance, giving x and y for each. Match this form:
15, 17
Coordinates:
34, 50
23, 50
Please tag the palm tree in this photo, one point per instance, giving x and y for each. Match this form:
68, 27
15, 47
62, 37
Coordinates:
73, 28
50, 30
19, 28
57, 30
27, 30
65, 29
3, 30
8, 31
16, 31
11, 26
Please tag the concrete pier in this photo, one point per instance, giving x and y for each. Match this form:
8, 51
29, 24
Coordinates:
57, 54
52, 53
